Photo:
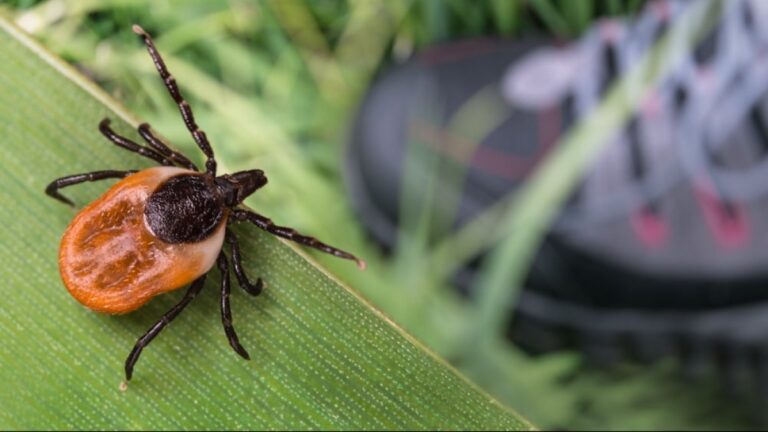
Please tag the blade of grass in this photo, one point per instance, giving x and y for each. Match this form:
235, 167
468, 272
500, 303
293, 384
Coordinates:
579, 14
323, 358
505, 15
365, 38
551, 17
301, 27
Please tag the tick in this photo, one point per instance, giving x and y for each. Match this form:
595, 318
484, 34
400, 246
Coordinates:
159, 229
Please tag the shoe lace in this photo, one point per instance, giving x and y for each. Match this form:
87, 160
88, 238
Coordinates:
730, 100
611, 48
713, 90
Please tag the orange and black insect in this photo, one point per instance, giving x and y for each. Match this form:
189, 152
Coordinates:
162, 228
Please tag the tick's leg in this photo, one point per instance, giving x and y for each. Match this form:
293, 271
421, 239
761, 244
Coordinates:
186, 112
143, 341
226, 312
289, 233
242, 279
146, 132
53, 188
132, 146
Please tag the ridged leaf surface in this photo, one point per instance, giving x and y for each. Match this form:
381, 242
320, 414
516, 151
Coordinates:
322, 357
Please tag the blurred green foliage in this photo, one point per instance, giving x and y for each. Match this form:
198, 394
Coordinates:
275, 84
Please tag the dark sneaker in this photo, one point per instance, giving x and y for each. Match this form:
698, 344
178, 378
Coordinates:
663, 250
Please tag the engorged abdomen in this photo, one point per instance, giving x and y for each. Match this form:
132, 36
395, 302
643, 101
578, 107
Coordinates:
111, 262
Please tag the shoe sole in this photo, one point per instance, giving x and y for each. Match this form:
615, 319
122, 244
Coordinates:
730, 340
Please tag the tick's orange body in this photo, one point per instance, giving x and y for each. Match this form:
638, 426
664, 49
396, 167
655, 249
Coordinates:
110, 260
162, 228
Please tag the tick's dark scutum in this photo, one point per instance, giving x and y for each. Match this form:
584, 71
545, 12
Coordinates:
185, 209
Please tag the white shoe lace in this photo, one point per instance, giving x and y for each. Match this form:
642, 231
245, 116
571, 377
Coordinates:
691, 115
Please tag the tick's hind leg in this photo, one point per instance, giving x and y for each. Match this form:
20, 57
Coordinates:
131, 146
146, 132
237, 264
226, 312
143, 341
289, 233
53, 188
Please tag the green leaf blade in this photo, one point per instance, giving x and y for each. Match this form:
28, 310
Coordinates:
322, 357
